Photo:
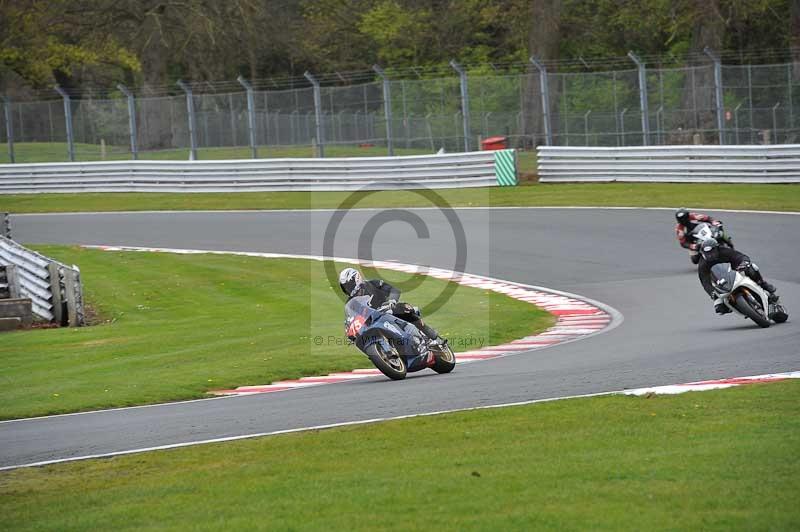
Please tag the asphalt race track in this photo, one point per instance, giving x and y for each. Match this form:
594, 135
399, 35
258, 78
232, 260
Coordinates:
627, 259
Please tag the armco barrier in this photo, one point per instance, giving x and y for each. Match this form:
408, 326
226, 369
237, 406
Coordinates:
679, 164
474, 169
54, 288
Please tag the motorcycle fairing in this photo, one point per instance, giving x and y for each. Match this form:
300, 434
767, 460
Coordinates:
733, 282
372, 326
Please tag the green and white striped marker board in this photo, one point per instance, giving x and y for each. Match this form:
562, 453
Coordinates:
505, 167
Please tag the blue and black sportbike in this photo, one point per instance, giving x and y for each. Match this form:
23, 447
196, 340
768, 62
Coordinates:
394, 346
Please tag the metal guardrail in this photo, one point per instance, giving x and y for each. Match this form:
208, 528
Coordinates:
474, 169
683, 164
54, 288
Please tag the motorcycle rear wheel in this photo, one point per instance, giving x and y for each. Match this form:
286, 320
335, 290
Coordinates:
444, 359
747, 309
390, 364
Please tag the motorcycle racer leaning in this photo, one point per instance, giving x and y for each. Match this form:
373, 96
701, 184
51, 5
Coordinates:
712, 253
687, 221
383, 297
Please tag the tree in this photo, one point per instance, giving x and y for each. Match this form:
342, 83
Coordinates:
544, 43
47, 41
155, 42
331, 40
399, 34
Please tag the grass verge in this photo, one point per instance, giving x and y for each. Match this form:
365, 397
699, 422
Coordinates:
717, 195
173, 327
44, 152
713, 461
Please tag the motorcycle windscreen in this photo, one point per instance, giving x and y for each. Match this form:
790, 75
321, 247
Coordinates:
357, 305
702, 232
723, 277
356, 313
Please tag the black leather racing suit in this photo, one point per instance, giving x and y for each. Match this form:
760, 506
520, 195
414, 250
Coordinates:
738, 261
381, 292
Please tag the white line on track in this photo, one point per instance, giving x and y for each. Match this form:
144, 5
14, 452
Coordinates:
287, 431
102, 411
373, 209
698, 386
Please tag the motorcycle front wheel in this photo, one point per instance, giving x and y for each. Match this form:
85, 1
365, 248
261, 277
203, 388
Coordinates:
444, 359
389, 363
744, 305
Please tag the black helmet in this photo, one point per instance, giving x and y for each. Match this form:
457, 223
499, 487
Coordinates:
682, 215
709, 249
350, 281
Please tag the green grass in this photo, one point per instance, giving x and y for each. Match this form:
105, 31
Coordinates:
720, 196
173, 327
719, 460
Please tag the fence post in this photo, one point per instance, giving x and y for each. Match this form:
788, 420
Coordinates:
775, 122
131, 119
192, 125
9, 127
718, 92
750, 99
586, 125
264, 126
789, 87
233, 123
660, 125
55, 290
294, 127
430, 130
251, 114
337, 121
545, 90
464, 101
642, 98
317, 112
5, 225
564, 110
387, 107
405, 114
736, 121
74, 296
68, 120
622, 125
616, 108
12, 280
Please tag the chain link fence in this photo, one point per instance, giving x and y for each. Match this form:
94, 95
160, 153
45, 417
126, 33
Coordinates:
585, 109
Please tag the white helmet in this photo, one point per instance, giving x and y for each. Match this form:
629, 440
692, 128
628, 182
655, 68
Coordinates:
350, 281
